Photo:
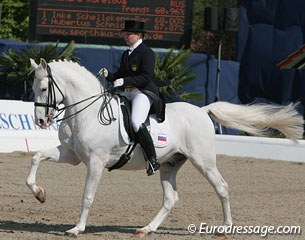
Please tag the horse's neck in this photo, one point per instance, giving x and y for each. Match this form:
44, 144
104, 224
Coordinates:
78, 92
81, 90
79, 84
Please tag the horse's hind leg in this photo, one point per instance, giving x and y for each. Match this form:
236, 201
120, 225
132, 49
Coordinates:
170, 197
58, 154
207, 167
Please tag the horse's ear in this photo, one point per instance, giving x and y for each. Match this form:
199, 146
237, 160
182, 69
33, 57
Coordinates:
33, 63
43, 63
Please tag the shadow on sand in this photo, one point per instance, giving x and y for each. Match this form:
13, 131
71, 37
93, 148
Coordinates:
59, 229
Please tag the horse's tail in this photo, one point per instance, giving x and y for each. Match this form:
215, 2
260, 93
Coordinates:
258, 119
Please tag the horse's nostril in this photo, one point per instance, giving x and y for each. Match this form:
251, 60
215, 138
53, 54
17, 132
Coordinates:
41, 121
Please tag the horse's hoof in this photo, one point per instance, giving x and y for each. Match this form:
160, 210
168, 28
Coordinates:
41, 195
221, 236
73, 232
72, 235
141, 233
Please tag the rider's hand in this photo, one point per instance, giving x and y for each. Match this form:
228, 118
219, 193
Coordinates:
119, 82
103, 72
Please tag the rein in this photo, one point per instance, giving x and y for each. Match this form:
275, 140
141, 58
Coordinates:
104, 118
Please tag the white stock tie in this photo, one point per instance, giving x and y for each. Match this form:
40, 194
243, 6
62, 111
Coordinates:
130, 51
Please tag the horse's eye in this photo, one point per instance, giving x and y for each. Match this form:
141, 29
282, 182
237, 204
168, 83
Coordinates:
44, 89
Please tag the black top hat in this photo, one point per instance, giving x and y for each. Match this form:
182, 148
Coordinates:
134, 26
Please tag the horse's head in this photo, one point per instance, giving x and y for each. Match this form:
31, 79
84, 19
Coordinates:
47, 94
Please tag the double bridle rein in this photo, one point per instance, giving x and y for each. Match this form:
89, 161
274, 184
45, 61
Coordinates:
51, 102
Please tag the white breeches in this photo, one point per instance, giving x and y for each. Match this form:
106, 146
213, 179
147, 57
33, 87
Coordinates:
140, 106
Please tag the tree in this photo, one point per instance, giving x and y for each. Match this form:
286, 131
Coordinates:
14, 22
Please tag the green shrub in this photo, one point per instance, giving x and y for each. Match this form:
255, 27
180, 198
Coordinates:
171, 73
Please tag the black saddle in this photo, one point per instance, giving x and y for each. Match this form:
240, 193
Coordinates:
126, 112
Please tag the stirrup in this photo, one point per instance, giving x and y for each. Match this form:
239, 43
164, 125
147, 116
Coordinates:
152, 167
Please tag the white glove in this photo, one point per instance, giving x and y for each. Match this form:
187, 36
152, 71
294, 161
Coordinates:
119, 82
103, 72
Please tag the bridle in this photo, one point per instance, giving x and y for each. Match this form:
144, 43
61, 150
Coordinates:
51, 102
51, 99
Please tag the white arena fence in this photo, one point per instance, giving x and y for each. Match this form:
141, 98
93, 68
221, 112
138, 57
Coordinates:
18, 132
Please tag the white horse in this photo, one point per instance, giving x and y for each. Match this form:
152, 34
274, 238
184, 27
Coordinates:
84, 138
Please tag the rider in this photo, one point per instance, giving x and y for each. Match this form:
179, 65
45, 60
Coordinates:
136, 77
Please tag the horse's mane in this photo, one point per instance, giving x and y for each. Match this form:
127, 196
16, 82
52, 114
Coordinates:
77, 69
70, 64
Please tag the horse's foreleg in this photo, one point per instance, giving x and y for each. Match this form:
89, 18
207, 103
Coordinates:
170, 197
58, 154
94, 172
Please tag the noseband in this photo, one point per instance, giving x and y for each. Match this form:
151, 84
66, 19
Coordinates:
51, 100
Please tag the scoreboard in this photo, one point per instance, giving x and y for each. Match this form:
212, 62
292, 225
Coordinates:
167, 22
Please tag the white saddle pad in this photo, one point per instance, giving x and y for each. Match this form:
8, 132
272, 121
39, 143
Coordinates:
158, 131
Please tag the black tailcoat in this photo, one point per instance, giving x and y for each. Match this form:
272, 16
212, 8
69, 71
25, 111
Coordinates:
137, 69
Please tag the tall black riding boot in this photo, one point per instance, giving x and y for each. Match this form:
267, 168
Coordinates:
148, 147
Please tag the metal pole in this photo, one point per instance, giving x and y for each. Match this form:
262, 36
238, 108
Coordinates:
218, 79
218, 71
